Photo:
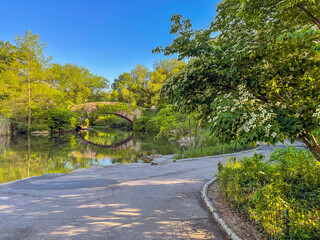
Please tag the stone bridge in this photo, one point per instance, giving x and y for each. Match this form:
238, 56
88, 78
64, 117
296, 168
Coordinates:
93, 106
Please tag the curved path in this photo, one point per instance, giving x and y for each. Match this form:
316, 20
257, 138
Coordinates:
133, 201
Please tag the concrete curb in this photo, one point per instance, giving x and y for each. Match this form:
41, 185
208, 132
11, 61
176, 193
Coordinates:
214, 213
221, 155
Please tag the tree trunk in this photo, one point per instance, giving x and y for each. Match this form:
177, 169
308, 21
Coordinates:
29, 156
314, 19
29, 95
312, 145
195, 138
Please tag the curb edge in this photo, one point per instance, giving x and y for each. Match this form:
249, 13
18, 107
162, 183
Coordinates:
219, 155
232, 235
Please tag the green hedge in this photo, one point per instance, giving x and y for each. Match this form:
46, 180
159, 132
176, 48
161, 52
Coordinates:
281, 195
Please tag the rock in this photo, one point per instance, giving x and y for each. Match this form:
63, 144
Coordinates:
150, 158
40, 133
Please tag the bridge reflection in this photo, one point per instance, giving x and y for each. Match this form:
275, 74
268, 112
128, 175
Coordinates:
128, 142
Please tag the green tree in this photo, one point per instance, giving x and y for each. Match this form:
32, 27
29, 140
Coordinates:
8, 76
76, 83
258, 78
32, 61
22, 67
123, 88
142, 87
125, 80
163, 70
30, 85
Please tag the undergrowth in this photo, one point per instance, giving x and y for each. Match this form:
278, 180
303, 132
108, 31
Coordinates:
281, 195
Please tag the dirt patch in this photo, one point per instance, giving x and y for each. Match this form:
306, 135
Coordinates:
234, 220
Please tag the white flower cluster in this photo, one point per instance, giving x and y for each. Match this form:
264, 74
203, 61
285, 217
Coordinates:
228, 95
250, 124
245, 101
316, 114
267, 129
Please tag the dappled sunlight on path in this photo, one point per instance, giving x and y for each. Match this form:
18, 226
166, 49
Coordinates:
135, 201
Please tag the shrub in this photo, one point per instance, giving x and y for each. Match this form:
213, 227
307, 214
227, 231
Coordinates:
146, 123
62, 119
54, 119
281, 195
112, 121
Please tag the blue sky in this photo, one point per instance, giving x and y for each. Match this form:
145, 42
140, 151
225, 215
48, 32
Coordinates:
107, 37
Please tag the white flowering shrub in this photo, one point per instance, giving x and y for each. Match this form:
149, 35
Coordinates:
239, 115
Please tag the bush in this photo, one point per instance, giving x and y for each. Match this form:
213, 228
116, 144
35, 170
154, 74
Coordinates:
146, 123
166, 121
62, 119
112, 121
281, 195
54, 119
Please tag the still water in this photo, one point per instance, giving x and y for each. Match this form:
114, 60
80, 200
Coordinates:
22, 157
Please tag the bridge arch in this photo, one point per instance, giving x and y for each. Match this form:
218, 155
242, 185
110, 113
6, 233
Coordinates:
126, 111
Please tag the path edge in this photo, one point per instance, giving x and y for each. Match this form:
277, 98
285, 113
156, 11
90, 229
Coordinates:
117, 164
219, 155
213, 211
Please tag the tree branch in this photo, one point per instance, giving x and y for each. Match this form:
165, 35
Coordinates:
315, 20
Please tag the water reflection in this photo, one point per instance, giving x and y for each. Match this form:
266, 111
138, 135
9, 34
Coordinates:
22, 157
100, 138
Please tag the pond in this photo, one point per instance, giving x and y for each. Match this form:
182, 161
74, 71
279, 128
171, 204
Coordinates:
22, 157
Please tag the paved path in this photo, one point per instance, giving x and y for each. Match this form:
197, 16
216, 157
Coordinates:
133, 201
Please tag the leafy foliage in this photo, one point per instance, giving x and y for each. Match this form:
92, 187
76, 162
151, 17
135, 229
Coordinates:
254, 73
61, 119
104, 110
166, 122
76, 83
142, 87
282, 193
31, 85
111, 121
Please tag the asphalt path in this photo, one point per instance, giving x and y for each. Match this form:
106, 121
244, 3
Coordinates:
132, 201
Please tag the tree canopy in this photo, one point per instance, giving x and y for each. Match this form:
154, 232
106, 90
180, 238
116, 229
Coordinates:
254, 73
141, 86
30, 83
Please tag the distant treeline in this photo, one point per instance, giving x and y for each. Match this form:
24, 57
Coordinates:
36, 93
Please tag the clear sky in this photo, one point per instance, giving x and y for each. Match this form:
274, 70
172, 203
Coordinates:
106, 36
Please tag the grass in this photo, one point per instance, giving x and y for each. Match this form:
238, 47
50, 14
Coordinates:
217, 149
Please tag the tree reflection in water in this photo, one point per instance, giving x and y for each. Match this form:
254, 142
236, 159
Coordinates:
22, 157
